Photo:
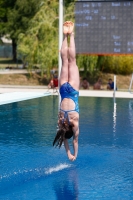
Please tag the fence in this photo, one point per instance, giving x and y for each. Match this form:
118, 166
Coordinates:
6, 51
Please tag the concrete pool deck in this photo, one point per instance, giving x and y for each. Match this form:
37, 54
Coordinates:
13, 93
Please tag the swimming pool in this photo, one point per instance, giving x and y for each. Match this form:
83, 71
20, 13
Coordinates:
31, 169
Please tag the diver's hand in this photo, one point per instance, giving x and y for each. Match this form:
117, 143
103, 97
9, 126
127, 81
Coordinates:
71, 157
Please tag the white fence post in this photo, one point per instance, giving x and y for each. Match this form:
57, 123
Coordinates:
60, 40
131, 83
114, 85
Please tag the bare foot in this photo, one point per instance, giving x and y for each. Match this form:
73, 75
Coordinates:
70, 27
65, 28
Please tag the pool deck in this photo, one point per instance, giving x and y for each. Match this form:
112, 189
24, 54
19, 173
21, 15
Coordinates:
13, 93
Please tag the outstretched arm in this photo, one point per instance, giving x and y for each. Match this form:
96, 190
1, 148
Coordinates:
75, 143
70, 156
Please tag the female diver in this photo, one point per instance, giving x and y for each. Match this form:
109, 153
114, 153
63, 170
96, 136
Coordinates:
68, 119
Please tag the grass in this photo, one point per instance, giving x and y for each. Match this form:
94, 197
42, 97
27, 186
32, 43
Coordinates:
123, 82
21, 79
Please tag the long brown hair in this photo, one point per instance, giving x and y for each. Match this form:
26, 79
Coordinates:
63, 133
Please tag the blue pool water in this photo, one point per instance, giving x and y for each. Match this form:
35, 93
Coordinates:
31, 169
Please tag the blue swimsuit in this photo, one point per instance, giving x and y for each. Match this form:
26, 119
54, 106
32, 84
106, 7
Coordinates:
67, 91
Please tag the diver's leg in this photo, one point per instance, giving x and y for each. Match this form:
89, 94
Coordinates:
73, 72
64, 56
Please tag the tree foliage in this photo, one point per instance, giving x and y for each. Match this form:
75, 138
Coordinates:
42, 36
15, 18
5, 6
19, 16
87, 63
116, 64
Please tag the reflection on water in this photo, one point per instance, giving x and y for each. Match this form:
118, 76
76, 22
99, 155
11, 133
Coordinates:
67, 188
114, 118
131, 112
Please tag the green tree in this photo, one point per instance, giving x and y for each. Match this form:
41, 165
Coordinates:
115, 64
15, 18
42, 35
2, 16
87, 63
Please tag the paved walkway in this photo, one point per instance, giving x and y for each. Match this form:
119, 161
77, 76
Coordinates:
89, 93
15, 71
10, 93
105, 93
